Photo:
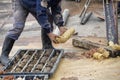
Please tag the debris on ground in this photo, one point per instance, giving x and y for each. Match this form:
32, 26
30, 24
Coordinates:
2, 72
8, 78
97, 53
70, 78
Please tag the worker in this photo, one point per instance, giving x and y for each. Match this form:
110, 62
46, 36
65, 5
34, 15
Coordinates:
45, 12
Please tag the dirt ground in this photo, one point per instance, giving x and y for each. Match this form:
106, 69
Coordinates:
87, 69
73, 66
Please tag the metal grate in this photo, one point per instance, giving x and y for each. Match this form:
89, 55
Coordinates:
33, 64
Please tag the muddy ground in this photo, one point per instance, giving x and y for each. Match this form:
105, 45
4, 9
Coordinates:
72, 66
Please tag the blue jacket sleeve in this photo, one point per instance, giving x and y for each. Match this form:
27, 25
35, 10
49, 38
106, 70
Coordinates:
56, 12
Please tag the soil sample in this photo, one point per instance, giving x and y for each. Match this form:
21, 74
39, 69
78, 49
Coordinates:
19, 56
16, 59
47, 69
50, 64
18, 69
37, 55
24, 60
21, 65
36, 71
43, 60
33, 62
39, 67
25, 56
48, 52
31, 65
28, 69
8, 78
53, 59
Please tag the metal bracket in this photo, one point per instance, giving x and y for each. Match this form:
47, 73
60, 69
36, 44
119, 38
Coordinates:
83, 16
111, 21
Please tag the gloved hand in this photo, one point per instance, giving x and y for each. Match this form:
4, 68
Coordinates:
62, 30
52, 36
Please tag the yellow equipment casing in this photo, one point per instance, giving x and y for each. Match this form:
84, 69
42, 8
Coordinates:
65, 36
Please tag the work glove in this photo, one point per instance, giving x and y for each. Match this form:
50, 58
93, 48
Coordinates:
52, 36
62, 30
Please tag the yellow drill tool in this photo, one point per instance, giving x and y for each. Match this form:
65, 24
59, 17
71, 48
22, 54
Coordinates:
65, 36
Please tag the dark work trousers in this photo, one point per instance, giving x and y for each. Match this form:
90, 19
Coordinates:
20, 14
46, 42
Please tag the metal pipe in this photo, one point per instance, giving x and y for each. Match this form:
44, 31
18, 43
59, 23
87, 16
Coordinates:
87, 17
65, 14
110, 17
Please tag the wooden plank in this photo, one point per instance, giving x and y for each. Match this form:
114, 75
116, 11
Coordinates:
86, 44
83, 43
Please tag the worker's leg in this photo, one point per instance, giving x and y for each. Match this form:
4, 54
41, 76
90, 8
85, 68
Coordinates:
7, 46
20, 15
46, 42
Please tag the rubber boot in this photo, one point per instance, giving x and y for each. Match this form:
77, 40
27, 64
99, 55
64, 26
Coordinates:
7, 46
46, 42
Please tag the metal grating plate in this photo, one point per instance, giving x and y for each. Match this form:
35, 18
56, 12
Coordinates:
29, 64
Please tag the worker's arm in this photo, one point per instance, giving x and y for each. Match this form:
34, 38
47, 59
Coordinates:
57, 16
39, 10
42, 18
